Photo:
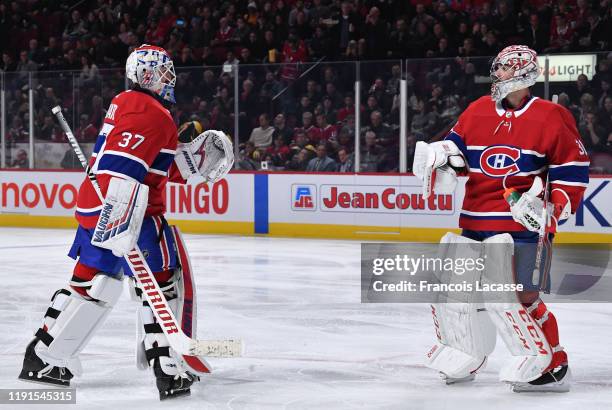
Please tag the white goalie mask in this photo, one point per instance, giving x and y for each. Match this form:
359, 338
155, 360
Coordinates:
152, 69
514, 68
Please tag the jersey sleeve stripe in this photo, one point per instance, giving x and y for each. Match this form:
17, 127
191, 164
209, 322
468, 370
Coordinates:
570, 183
158, 172
123, 166
570, 173
163, 161
128, 156
117, 174
573, 163
456, 138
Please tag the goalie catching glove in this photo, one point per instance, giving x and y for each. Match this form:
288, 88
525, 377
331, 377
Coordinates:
435, 164
209, 153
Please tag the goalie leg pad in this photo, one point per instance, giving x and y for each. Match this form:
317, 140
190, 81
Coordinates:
179, 288
73, 317
547, 321
464, 330
523, 336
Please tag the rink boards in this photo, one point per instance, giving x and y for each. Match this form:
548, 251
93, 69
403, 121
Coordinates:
367, 207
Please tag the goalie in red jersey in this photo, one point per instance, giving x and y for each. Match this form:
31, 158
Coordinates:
508, 144
138, 145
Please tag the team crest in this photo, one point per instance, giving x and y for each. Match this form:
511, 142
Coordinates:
500, 160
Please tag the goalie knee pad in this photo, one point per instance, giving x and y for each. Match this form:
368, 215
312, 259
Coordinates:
73, 316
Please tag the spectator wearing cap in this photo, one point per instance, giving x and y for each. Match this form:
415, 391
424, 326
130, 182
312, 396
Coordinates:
262, 135
322, 163
252, 16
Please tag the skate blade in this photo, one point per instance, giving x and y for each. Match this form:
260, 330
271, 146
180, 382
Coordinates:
451, 380
560, 387
174, 394
25, 376
529, 388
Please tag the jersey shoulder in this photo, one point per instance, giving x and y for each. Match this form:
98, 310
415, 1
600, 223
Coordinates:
548, 111
482, 105
139, 105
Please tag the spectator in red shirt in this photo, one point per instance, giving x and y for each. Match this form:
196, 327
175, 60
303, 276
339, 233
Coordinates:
561, 35
325, 131
280, 152
166, 22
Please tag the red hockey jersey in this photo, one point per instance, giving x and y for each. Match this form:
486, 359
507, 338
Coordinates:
137, 141
537, 138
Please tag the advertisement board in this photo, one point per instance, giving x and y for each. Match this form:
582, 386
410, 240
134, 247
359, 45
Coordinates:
292, 204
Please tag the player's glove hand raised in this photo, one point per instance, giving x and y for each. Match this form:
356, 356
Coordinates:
209, 153
218, 154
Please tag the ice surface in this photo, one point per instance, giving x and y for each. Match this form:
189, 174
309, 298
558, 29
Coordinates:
310, 343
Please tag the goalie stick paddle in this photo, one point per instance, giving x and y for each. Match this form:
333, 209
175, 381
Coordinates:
181, 343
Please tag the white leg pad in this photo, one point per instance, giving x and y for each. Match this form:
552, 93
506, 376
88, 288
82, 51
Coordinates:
522, 335
466, 335
77, 321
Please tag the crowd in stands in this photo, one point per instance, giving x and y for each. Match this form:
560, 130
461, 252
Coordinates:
297, 63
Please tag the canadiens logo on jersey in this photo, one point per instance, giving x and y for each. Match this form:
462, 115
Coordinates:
500, 160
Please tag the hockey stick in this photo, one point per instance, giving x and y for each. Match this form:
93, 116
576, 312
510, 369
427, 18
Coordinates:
301, 75
181, 343
543, 241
